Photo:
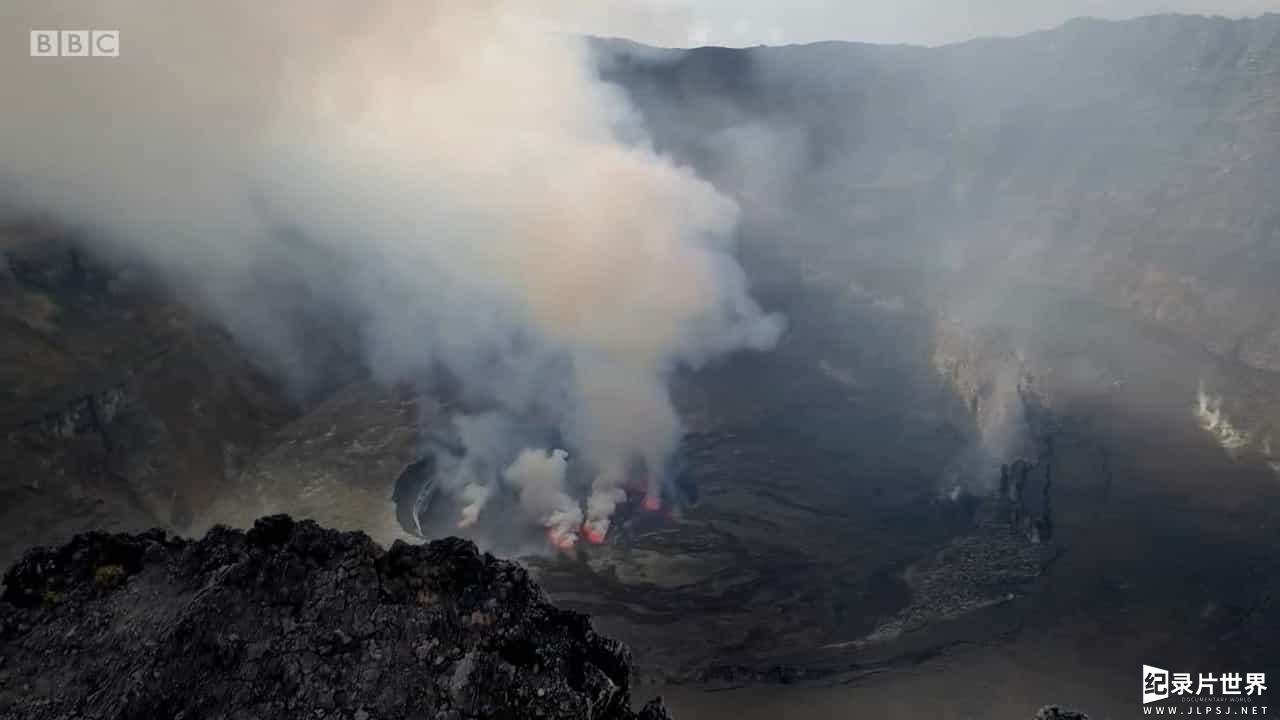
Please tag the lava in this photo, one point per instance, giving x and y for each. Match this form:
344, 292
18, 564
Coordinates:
594, 535
562, 540
652, 502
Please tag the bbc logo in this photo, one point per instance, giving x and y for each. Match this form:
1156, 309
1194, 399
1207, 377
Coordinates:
75, 43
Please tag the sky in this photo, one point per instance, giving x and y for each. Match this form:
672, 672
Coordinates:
682, 23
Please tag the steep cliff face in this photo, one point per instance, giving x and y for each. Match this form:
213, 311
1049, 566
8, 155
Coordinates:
120, 407
290, 620
1131, 166
336, 464
1134, 162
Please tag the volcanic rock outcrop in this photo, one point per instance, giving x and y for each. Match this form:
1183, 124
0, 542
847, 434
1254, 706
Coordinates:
1053, 712
290, 620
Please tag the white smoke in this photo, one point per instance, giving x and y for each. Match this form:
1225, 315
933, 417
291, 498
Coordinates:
539, 478
600, 508
1230, 431
1211, 417
467, 194
473, 479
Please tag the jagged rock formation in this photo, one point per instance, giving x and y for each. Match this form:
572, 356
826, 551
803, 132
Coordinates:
1035, 524
1053, 712
290, 620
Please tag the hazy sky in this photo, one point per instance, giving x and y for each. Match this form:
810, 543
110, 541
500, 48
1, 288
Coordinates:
930, 22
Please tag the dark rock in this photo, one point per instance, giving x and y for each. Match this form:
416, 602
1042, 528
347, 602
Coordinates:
654, 710
1053, 712
120, 407
291, 620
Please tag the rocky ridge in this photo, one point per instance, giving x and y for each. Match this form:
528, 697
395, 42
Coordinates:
290, 620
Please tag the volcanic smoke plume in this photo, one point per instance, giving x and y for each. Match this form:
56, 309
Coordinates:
448, 175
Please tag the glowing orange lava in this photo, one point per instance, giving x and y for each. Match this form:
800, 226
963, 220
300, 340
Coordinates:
562, 540
592, 534
652, 503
